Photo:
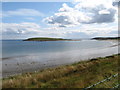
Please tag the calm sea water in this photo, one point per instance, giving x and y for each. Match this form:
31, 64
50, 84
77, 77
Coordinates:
26, 56
12, 48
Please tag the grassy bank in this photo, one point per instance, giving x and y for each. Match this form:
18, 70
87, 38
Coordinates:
77, 75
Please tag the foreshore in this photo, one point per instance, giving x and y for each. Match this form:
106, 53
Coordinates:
26, 60
80, 74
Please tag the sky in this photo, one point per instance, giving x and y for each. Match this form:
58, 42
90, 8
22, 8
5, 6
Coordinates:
77, 19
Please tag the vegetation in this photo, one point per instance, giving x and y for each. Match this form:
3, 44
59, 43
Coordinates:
107, 38
77, 75
45, 39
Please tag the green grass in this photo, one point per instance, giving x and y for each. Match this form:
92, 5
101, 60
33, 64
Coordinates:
45, 39
77, 75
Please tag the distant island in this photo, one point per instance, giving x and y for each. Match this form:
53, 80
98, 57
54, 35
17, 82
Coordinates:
106, 38
47, 39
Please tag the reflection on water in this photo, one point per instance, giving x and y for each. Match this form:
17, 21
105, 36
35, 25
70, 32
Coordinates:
31, 56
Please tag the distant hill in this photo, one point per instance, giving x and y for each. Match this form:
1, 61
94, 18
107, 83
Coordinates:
106, 38
45, 39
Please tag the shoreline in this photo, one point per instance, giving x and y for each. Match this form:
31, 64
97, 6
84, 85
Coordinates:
55, 66
35, 62
63, 70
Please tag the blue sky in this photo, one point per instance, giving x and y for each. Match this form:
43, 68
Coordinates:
44, 7
59, 19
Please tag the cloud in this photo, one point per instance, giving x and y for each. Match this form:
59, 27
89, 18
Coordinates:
22, 28
26, 30
84, 12
22, 12
116, 3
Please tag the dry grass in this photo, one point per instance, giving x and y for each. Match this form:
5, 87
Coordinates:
77, 75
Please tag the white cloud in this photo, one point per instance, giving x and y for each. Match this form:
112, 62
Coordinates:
104, 12
26, 30
22, 12
22, 28
84, 12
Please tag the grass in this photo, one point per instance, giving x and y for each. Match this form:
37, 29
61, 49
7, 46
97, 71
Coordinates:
77, 75
45, 39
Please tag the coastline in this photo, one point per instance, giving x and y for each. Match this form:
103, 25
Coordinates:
91, 62
34, 62
15, 67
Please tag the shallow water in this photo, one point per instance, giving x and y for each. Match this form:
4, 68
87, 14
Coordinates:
25, 56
